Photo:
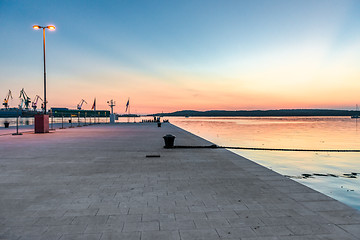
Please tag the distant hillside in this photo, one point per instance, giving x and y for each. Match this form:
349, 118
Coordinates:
260, 113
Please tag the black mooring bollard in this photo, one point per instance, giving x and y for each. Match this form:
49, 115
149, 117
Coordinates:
169, 141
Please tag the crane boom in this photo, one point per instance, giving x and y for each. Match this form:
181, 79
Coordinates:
6, 99
24, 99
79, 106
34, 103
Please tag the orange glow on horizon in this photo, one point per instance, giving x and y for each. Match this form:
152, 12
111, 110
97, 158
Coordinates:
284, 83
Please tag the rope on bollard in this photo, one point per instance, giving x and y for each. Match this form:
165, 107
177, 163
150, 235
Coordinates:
274, 149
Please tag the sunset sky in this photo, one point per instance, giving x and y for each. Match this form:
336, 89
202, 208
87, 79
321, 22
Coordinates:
189, 54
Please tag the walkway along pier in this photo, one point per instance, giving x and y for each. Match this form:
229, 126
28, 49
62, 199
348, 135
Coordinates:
96, 182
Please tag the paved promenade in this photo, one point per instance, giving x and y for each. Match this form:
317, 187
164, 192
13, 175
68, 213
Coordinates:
96, 182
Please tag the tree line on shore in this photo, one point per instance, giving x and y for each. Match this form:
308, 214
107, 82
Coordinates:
260, 113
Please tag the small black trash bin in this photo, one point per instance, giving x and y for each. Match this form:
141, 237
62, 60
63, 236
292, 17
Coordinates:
6, 124
69, 121
159, 124
169, 141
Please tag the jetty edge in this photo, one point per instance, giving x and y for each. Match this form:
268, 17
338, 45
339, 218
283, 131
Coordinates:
96, 182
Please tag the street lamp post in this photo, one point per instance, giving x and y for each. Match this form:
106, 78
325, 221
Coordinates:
50, 27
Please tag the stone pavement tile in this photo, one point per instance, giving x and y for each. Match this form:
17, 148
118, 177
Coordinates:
190, 216
107, 204
160, 235
342, 217
121, 236
66, 229
269, 196
176, 225
261, 206
141, 226
271, 177
174, 209
271, 231
144, 209
87, 200
68, 206
211, 223
216, 200
143, 200
262, 238
328, 206
80, 237
84, 220
199, 234
44, 206
353, 229
306, 237
53, 221
20, 221
295, 189
158, 217
335, 229
6, 233
3, 230
46, 236
235, 233
81, 212
112, 211
232, 207
49, 213
204, 208
100, 228
286, 206
282, 213
285, 182
278, 221
311, 229
336, 237
189, 203
170, 204
115, 219
166, 198
252, 213
245, 222
309, 197
127, 205
305, 212
316, 219
33, 231
222, 214
120, 197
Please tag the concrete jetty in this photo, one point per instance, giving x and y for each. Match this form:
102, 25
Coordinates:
106, 182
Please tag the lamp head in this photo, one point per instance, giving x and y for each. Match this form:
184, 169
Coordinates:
36, 27
51, 27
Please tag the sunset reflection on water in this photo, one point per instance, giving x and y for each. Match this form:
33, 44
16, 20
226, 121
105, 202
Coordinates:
292, 132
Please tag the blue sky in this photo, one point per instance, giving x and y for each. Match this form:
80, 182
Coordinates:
195, 54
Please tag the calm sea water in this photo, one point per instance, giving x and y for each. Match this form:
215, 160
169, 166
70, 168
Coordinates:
293, 132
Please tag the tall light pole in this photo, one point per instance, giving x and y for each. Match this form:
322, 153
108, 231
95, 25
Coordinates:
50, 27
